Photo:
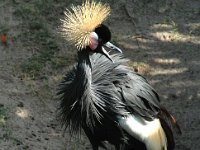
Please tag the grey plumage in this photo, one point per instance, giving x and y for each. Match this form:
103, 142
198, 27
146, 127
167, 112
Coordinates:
97, 90
87, 91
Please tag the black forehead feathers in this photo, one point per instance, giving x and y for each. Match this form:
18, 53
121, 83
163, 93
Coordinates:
104, 33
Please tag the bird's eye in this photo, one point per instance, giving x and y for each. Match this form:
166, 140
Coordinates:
103, 33
93, 41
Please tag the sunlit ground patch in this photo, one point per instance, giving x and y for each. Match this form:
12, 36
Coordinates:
22, 113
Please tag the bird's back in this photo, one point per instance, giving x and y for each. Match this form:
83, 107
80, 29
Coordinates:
127, 90
129, 93
115, 90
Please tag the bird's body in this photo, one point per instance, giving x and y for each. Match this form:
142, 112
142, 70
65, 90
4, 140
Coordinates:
97, 93
102, 96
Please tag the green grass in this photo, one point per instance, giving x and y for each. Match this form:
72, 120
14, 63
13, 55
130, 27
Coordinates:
37, 34
141, 67
172, 23
3, 29
3, 116
61, 61
6, 132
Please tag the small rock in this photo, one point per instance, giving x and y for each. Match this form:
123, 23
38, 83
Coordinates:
32, 118
46, 139
25, 147
33, 134
174, 96
136, 69
20, 104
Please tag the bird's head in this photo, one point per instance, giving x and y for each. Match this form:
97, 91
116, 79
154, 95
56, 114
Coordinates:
83, 26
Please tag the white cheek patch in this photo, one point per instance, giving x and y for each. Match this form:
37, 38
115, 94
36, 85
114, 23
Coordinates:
93, 41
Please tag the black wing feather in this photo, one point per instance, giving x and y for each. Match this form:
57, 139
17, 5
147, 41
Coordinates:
114, 90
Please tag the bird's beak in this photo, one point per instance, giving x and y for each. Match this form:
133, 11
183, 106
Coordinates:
112, 47
106, 54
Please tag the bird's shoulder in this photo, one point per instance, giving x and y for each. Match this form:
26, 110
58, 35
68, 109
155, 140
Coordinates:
133, 90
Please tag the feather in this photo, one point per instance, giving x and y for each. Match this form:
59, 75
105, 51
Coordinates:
150, 133
97, 94
81, 21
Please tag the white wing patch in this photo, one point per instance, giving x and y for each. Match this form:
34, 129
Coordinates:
150, 133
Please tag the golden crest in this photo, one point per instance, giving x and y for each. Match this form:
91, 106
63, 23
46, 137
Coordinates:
82, 20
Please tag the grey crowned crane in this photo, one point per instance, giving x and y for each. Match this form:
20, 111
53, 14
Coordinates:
106, 99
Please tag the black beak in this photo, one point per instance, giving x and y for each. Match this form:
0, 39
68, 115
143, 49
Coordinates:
110, 46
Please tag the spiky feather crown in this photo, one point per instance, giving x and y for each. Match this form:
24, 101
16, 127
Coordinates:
82, 20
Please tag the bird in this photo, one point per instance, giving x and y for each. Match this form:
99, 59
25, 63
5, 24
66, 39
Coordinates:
102, 96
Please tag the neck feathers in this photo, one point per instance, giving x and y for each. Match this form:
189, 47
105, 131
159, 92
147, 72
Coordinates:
76, 107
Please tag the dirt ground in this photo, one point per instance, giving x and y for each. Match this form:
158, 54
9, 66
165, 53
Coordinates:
161, 39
